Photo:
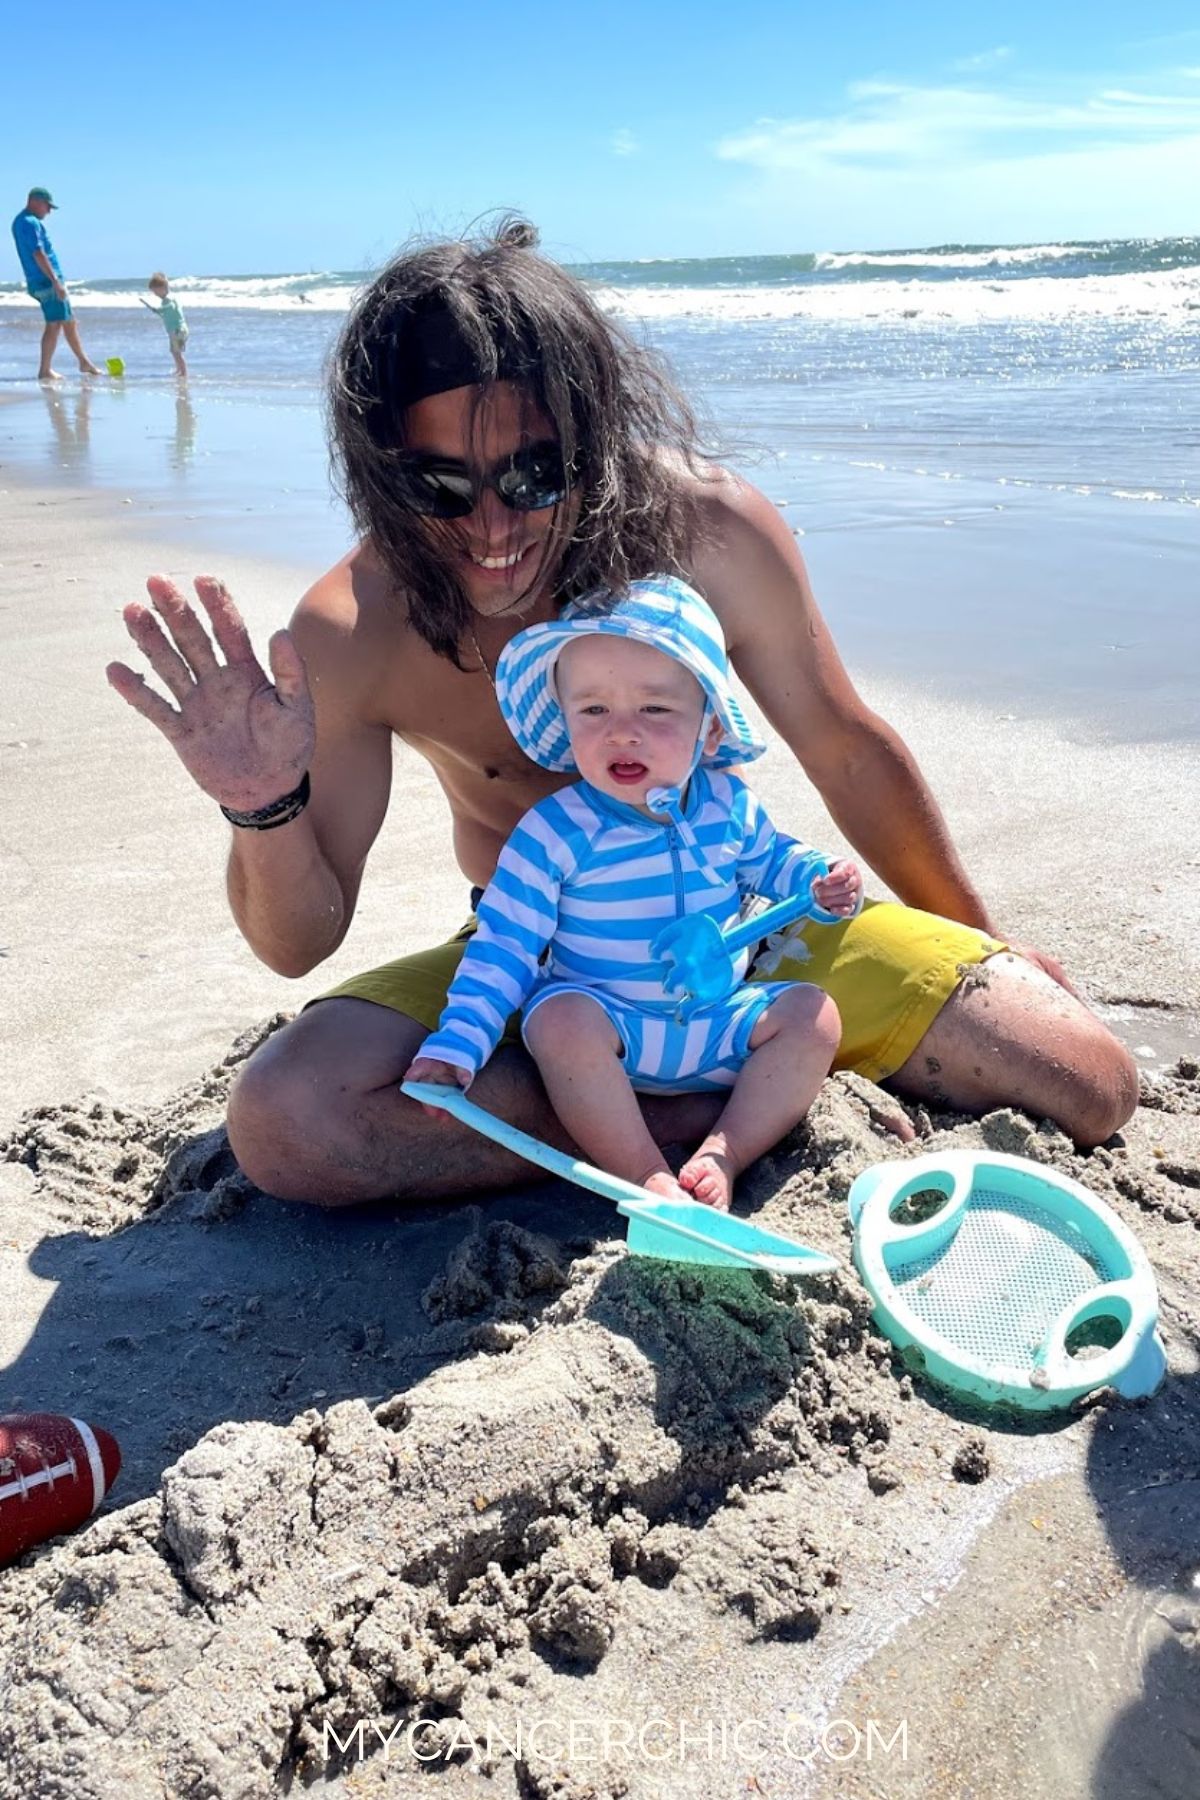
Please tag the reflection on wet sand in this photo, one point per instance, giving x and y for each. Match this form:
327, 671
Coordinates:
68, 410
179, 454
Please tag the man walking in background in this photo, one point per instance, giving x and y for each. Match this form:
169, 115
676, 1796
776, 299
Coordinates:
43, 278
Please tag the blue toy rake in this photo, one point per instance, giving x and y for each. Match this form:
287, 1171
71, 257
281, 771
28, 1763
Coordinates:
700, 958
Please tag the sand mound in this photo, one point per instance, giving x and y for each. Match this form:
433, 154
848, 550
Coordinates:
612, 1451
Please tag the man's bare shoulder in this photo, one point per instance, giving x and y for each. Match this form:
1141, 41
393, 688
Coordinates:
354, 595
353, 632
745, 559
748, 566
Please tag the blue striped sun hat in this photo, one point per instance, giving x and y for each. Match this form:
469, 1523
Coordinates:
661, 611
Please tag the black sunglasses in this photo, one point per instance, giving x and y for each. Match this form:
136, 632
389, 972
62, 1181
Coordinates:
527, 481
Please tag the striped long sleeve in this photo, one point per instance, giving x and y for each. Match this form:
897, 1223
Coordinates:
772, 864
516, 918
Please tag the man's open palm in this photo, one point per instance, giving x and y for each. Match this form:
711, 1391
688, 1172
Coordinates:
243, 740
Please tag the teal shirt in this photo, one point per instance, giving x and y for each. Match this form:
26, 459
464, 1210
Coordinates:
171, 314
29, 235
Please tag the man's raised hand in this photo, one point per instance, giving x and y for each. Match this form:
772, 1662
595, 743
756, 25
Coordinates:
243, 740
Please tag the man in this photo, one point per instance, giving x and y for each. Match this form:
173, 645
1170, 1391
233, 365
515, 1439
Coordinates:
503, 448
43, 278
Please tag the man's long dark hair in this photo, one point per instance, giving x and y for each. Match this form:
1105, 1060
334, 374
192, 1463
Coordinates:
628, 436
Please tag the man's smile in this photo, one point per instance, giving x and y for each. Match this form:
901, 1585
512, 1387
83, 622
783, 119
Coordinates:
502, 562
498, 562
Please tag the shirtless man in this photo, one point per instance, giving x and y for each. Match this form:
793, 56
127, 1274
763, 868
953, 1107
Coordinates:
502, 447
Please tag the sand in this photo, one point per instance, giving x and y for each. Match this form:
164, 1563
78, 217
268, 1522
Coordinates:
466, 1490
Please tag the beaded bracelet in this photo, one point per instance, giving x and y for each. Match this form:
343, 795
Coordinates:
279, 812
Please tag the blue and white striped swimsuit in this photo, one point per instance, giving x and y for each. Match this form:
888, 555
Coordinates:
582, 888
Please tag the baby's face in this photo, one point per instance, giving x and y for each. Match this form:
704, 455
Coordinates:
633, 714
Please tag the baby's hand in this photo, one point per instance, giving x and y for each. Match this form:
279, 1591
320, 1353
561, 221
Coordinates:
440, 1074
841, 890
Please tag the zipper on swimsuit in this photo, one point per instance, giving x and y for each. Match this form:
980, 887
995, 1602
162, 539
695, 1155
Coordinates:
677, 868
680, 908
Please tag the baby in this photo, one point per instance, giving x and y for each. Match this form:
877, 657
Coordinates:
633, 694
171, 314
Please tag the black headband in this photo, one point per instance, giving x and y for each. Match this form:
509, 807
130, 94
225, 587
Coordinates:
434, 354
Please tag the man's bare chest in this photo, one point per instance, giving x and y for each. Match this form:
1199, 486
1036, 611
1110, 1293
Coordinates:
450, 717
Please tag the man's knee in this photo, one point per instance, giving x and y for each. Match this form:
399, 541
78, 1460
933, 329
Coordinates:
268, 1120
311, 1115
1104, 1090
1088, 1084
283, 1118
1015, 1038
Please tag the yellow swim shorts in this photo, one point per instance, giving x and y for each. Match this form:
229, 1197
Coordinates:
890, 972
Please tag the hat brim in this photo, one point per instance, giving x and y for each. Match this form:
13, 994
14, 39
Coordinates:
528, 699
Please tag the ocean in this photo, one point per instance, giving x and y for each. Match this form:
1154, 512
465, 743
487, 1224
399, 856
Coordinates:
991, 453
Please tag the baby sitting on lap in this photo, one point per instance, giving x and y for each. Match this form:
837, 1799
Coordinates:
633, 693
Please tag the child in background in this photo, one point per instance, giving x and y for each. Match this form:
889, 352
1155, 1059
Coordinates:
171, 314
633, 695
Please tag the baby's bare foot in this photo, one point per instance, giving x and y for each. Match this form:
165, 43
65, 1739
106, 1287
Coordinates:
664, 1186
708, 1177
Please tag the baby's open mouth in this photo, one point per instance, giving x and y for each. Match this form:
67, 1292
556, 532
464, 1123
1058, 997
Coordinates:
627, 771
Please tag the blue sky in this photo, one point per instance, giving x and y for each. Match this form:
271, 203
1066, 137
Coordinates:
223, 138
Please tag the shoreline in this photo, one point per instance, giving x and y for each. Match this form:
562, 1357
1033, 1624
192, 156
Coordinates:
1070, 605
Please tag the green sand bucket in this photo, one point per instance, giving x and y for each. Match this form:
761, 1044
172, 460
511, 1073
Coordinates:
114, 365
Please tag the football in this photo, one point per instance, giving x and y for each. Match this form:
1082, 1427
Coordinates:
54, 1472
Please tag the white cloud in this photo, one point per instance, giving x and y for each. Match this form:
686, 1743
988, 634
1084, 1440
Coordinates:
1123, 97
984, 59
1012, 161
623, 143
1167, 37
904, 126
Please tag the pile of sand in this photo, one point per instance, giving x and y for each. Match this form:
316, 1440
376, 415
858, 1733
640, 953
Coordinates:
627, 1487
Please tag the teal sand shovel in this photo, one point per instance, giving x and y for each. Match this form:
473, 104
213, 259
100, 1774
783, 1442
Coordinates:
680, 1230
